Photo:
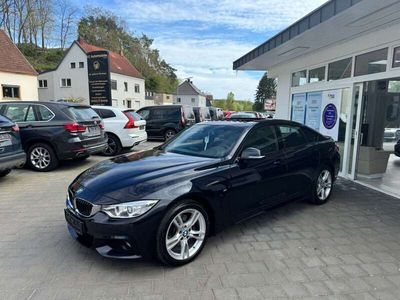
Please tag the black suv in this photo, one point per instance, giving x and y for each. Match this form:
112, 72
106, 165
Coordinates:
53, 131
11, 153
397, 149
167, 120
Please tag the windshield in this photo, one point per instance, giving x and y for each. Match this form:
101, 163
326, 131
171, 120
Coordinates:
206, 140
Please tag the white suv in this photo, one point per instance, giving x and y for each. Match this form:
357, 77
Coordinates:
124, 128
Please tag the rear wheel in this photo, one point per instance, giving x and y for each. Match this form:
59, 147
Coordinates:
322, 187
42, 158
169, 133
182, 233
113, 145
4, 172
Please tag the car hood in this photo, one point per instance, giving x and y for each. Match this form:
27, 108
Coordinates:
138, 175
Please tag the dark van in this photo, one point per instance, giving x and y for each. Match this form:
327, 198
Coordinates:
164, 121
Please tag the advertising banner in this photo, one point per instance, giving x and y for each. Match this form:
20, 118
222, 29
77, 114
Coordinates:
313, 110
330, 109
299, 107
99, 78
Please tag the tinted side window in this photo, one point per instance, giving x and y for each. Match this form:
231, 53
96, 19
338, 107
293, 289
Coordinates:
105, 113
165, 113
144, 113
16, 112
311, 135
291, 136
44, 113
262, 138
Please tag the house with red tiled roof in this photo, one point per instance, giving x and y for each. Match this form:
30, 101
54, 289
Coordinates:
70, 80
18, 79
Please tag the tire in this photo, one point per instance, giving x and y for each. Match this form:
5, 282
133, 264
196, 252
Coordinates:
42, 158
322, 186
114, 145
169, 134
4, 172
174, 256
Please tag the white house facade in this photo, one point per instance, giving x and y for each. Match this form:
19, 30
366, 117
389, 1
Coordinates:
70, 79
338, 71
18, 79
188, 94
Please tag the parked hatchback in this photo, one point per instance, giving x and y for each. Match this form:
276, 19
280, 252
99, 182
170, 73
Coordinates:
124, 128
201, 114
54, 131
163, 122
11, 153
167, 201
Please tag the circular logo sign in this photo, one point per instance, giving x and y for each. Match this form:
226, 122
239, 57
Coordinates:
96, 65
330, 116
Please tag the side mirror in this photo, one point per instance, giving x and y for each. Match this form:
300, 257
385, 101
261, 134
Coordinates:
251, 153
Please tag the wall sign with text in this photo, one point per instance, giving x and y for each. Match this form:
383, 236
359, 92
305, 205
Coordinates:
299, 107
99, 78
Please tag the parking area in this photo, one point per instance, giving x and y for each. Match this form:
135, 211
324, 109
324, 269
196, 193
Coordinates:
346, 249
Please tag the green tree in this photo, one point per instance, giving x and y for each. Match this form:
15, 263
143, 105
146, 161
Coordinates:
266, 89
230, 101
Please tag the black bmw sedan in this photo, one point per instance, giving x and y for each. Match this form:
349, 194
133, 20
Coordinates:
168, 200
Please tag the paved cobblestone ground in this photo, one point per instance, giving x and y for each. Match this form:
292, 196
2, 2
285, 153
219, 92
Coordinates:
346, 249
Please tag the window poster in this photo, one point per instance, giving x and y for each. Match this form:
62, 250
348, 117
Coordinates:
330, 110
313, 110
299, 107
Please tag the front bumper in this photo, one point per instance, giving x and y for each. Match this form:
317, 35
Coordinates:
124, 238
13, 160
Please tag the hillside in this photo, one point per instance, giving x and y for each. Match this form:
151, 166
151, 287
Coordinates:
41, 60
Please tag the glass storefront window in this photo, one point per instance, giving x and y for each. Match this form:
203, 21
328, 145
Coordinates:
316, 75
396, 57
371, 62
340, 69
299, 78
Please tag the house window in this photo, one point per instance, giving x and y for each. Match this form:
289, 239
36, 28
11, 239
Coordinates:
73, 65
193, 100
371, 62
178, 100
340, 69
316, 75
129, 103
43, 83
396, 57
65, 82
10, 92
113, 84
299, 78
167, 97
137, 88
125, 86
81, 65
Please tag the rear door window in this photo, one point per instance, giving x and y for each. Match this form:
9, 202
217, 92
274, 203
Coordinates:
312, 136
44, 114
291, 136
144, 113
82, 113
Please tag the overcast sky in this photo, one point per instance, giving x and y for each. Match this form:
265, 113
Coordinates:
201, 38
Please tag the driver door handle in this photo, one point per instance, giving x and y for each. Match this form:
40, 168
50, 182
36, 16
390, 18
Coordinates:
277, 162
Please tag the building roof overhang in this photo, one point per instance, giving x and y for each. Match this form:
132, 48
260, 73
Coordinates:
336, 21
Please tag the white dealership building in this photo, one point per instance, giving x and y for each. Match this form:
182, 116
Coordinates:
70, 79
338, 71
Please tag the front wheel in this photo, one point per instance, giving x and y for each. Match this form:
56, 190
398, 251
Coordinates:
322, 187
182, 233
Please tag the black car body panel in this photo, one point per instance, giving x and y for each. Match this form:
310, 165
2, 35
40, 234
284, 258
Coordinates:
397, 148
11, 153
159, 119
44, 122
229, 188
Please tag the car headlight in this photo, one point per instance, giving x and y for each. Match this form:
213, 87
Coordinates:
68, 202
129, 209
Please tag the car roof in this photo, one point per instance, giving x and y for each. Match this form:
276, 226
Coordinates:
62, 103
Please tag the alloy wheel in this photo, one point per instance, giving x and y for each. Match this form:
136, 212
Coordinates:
185, 234
111, 147
169, 134
324, 185
40, 158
